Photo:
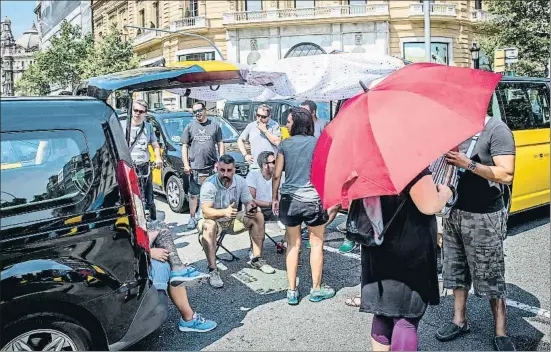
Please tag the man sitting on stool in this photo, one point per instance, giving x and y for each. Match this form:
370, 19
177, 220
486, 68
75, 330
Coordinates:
220, 195
260, 185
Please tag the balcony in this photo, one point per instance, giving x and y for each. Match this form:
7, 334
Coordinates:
309, 13
149, 37
198, 22
480, 15
443, 10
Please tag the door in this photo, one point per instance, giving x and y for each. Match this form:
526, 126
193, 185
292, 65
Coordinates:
526, 111
157, 173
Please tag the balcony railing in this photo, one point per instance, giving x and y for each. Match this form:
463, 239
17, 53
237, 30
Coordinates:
146, 37
189, 23
480, 15
291, 14
446, 10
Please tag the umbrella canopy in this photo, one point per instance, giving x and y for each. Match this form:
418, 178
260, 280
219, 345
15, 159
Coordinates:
382, 139
318, 77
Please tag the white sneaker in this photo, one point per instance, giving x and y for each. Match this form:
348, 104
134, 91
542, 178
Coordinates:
215, 280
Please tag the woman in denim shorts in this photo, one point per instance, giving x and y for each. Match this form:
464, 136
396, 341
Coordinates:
300, 203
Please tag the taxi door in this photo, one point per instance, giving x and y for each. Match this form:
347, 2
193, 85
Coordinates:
526, 108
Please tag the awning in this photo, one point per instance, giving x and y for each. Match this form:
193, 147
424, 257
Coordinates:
192, 74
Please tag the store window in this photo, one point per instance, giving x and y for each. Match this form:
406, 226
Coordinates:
415, 52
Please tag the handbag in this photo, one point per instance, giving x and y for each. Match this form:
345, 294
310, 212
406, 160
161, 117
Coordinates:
359, 228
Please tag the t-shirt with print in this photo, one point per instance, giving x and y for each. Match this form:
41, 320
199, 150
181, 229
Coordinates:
213, 191
319, 126
258, 140
263, 187
298, 152
202, 139
476, 194
140, 151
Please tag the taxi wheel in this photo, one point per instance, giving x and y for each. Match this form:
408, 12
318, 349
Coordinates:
175, 194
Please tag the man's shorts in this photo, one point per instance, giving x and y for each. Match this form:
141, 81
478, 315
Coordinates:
194, 185
293, 212
269, 214
473, 252
240, 223
159, 273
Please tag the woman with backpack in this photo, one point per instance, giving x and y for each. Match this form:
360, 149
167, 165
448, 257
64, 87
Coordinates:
399, 275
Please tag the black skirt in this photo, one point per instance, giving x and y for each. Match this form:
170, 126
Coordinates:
399, 277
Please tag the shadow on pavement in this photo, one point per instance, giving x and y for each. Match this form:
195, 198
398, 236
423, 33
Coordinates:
230, 305
528, 220
523, 326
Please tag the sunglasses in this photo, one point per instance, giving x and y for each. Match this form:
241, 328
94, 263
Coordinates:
139, 111
200, 111
262, 116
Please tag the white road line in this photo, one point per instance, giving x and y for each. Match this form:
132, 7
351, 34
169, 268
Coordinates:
534, 310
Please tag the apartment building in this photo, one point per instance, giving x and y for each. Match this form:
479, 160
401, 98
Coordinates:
248, 31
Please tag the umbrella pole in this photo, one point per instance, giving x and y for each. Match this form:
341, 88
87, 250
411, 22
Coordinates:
128, 117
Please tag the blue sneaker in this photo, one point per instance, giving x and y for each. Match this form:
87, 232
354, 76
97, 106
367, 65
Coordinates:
292, 297
324, 292
197, 324
189, 276
304, 233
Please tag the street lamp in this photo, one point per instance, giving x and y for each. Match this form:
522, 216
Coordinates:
475, 54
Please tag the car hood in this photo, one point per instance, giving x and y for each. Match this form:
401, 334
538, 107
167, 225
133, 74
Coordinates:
233, 150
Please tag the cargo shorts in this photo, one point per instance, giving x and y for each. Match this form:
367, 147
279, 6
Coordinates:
473, 252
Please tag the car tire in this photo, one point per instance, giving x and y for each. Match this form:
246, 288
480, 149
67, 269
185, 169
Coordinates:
37, 330
175, 194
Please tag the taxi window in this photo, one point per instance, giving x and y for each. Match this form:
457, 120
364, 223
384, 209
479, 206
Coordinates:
238, 112
43, 170
525, 105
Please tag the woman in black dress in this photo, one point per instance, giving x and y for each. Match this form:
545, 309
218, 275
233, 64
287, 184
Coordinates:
399, 277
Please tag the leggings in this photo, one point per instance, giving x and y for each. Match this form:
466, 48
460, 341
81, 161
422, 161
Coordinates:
398, 333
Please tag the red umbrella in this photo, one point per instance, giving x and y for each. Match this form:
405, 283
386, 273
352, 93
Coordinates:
381, 140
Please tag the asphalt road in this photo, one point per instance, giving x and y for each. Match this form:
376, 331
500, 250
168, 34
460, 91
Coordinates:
252, 312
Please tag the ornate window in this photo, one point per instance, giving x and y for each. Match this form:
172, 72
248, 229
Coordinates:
305, 49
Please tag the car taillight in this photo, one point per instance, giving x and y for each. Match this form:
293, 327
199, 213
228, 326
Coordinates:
130, 190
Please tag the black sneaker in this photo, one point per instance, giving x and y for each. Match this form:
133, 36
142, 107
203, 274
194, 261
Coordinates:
503, 343
450, 331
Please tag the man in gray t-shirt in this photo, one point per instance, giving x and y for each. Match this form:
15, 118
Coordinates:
141, 136
319, 124
263, 135
221, 195
476, 228
199, 155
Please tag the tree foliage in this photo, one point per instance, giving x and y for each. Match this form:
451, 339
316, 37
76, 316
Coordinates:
523, 24
72, 58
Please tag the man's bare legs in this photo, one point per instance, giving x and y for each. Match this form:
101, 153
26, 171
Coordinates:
208, 241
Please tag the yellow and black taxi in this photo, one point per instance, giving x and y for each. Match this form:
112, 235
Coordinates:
170, 180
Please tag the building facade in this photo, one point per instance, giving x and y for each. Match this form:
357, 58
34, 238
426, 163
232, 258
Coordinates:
250, 31
16, 55
51, 13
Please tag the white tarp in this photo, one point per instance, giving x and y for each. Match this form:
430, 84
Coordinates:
319, 78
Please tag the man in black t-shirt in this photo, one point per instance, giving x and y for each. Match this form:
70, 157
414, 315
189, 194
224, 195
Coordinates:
475, 230
199, 155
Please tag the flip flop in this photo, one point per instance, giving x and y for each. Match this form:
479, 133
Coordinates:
354, 302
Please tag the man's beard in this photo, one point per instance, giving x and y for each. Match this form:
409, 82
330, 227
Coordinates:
224, 179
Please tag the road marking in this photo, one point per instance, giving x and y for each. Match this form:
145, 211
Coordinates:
534, 310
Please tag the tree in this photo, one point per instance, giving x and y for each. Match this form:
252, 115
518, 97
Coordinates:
523, 24
72, 58
33, 81
112, 54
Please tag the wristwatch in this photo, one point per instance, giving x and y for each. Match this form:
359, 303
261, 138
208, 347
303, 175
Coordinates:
472, 166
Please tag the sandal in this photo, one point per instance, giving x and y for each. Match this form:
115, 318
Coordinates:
355, 302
